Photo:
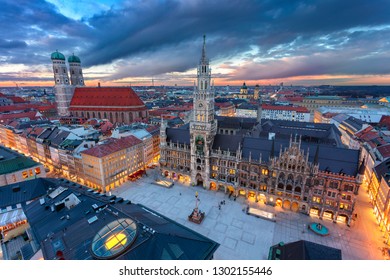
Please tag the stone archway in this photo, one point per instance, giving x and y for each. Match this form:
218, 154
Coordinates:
278, 202
328, 214
213, 186
262, 198
314, 211
342, 218
286, 204
295, 206
199, 179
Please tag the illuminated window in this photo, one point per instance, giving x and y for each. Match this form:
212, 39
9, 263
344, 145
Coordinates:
316, 199
114, 238
232, 171
24, 174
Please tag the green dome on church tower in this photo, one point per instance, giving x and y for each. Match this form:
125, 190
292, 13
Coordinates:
57, 55
73, 58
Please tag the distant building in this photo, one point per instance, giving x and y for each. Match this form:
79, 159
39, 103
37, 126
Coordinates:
256, 92
314, 102
117, 104
288, 113
247, 110
368, 115
244, 92
226, 109
74, 223
15, 167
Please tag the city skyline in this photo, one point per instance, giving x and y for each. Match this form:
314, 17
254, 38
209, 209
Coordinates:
133, 42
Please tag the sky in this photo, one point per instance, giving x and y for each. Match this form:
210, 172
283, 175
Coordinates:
307, 42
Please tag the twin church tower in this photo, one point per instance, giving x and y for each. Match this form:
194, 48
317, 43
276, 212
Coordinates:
64, 87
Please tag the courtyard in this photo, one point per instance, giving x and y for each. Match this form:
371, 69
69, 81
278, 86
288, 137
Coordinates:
246, 237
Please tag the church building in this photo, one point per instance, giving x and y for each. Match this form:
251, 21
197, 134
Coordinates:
117, 104
300, 167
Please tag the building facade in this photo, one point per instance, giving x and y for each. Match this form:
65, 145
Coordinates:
289, 113
15, 167
107, 165
235, 156
64, 88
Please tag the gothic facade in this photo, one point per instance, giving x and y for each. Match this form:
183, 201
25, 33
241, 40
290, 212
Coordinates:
304, 173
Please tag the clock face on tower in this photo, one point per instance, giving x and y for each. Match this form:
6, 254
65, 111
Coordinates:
200, 105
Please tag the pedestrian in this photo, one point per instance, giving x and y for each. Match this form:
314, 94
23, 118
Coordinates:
180, 193
219, 207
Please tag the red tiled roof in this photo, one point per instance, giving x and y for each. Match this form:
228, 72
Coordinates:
153, 128
385, 120
224, 104
364, 131
158, 112
112, 145
384, 150
23, 106
107, 98
178, 108
294, 98
31, 115
285, 108
16, 99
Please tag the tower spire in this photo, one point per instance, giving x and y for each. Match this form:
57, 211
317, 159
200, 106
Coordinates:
204, 58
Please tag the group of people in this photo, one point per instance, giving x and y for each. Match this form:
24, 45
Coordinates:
222, 202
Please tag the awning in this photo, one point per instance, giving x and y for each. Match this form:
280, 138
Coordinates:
11, 217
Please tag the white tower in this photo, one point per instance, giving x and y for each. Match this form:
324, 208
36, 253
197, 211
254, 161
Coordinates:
63, 90
203, 126
76, 73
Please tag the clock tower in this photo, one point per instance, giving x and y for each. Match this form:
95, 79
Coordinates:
203, 126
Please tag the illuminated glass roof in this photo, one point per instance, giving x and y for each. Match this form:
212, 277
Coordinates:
114, 238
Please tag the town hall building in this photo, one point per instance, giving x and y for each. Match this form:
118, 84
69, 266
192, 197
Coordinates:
299, 166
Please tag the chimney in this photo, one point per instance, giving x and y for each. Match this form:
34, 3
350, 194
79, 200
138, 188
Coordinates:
98, 84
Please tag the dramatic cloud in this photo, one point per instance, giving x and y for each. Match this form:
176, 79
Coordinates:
246, 40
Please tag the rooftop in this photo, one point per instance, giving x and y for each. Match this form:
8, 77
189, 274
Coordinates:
304, 250
112, 145
88, 229
97, 97
11, 161
285, 108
